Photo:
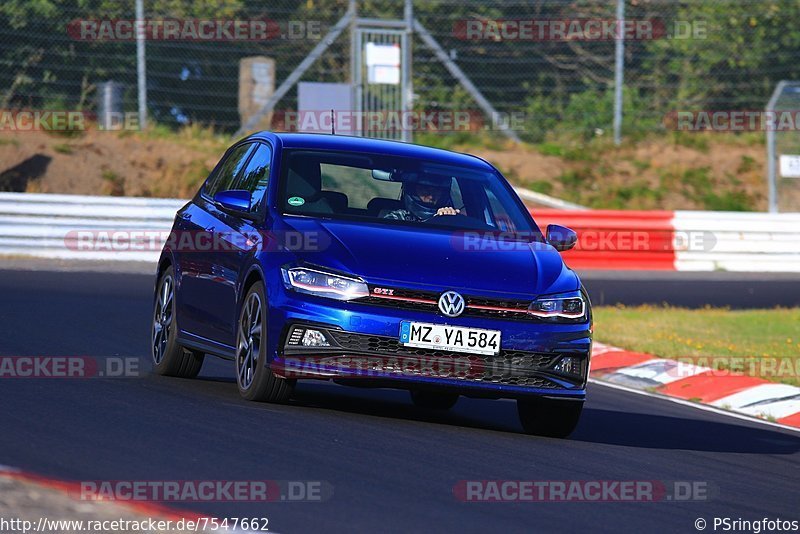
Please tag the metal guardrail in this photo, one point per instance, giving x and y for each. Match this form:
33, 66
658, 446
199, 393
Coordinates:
49, 226
747, 242
546, 200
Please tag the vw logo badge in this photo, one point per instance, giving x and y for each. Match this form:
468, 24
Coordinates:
451, 304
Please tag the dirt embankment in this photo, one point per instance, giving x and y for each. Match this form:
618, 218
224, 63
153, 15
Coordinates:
653, 174
104, 163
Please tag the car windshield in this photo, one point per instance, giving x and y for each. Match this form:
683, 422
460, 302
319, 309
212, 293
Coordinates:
398, 190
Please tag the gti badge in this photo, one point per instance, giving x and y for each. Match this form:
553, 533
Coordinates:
451, 304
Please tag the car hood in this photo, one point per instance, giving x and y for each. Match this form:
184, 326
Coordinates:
407, 257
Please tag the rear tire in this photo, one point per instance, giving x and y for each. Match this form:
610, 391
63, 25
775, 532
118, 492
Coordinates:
433, 400
169, 358
547, 417
255, 379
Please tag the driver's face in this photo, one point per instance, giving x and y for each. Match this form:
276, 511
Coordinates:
428, 194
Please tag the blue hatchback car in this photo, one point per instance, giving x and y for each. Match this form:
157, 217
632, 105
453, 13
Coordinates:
373, 263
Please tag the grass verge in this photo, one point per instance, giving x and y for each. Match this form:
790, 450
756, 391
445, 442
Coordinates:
764, 343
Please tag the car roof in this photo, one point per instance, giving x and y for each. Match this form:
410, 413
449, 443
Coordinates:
376, 146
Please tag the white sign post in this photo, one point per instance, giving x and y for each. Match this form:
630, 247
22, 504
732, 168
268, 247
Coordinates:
383, 63
789, 166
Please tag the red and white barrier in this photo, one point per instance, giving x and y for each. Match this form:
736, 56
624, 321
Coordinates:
680, 240
613, 239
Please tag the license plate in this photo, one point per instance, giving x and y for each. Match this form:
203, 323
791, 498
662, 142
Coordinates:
451, 338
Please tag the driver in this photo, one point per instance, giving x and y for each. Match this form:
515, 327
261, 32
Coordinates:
423, 199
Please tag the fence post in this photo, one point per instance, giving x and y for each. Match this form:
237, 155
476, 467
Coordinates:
619, 72
408, 84
771, 156
141, 66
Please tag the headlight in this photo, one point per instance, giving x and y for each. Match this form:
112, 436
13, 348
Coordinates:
560, 308
324, 284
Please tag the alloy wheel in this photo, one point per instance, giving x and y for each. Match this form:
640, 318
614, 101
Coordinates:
162, 318
248, 346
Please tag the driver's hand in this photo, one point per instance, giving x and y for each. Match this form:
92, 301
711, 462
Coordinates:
448, 211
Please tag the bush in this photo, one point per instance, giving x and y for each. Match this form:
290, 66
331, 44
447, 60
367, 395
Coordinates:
585, 115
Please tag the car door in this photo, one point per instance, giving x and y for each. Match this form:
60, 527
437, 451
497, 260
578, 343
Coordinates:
201, 281
238, 238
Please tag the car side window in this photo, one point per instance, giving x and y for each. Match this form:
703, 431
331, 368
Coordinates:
225, 177
256, 176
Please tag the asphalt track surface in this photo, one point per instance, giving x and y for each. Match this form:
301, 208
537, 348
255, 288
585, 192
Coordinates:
392, 466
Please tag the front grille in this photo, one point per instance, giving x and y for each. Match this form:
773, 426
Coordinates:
405, 299
390, 345
498, 314
401, 304
527, 381
509, 367
510, 304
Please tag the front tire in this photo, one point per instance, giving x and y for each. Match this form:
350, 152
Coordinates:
253, 376
548, 417
433, 400
169, 358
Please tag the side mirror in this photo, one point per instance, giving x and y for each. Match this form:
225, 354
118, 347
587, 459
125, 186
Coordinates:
234, 200
561, 237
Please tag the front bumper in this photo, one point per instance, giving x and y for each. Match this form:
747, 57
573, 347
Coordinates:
365, 350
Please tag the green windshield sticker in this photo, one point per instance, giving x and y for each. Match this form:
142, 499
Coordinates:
296, 201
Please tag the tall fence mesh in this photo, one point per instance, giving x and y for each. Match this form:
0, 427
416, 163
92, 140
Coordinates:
699, 55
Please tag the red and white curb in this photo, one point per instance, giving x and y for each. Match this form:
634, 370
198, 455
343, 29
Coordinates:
73, 488
738, 393
141, 508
